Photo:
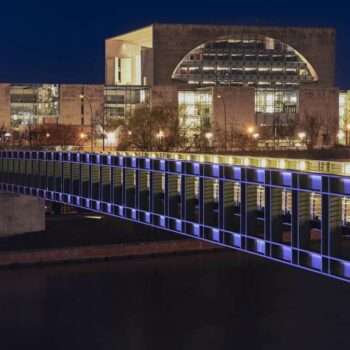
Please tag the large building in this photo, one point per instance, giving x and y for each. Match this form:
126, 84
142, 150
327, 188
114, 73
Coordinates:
277, 80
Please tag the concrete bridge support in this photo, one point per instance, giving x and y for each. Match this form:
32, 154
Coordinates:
20, 214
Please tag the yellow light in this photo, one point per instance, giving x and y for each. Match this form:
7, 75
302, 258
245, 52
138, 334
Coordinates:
347, 169
246, 161
302, 135
282, 164
208, 135
263, 163
348, 127
255, 136
302, 165
341, 134
129, 132
250, 130
160, 134
82, 135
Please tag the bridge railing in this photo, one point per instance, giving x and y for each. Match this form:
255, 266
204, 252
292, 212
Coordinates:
292, 211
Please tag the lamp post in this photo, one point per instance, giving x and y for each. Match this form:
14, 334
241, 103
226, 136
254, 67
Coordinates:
302, 136
8, 137
82, 96
82, 137
209, 137
225, 121
47, 138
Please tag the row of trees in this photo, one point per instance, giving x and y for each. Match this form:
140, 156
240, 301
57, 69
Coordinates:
161, 129
43, 137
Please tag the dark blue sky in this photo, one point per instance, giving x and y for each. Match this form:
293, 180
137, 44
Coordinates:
63, 41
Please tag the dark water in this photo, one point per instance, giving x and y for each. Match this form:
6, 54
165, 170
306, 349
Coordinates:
207, 301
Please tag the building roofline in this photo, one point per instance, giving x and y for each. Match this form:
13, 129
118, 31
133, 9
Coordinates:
129, 32
263, 27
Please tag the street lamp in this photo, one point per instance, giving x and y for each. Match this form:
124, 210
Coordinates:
225, 120
302, 136
82, 96
250, 130
160, 137
209, 137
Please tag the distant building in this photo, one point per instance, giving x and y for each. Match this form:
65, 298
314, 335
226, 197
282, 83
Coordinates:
272, 79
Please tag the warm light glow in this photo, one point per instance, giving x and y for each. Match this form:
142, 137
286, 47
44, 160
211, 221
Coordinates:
302, 165
219, 96
111, 139
48, 135
160, 134
209, 135
302, 135
347, 169
250, 130
263, 163
82, 135
348, 127
7, 134
81, 96
341, 134
256, 136
282, 164
129, 132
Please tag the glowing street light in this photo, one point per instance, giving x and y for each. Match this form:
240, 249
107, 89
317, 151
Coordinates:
250, 130
302, 135
82, 136
160, 134
209, 135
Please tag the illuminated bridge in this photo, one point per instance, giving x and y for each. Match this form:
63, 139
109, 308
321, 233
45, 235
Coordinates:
293, 211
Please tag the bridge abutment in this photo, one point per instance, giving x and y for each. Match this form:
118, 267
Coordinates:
20, 214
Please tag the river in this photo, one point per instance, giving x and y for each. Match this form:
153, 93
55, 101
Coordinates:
224, 300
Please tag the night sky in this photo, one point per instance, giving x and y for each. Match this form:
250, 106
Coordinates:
63, 41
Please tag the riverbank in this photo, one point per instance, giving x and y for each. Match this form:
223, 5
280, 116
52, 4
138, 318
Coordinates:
91, 237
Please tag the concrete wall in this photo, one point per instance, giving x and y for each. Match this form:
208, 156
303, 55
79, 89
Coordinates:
322, 103
21, 214
173, 41
70, 103
164, 95
5, 105
240, 110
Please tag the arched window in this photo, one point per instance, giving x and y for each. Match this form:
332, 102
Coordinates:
245, 60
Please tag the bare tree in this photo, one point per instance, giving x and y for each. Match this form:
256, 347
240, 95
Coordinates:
154, 129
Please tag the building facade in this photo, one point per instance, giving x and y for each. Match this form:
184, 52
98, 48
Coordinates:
275, 80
